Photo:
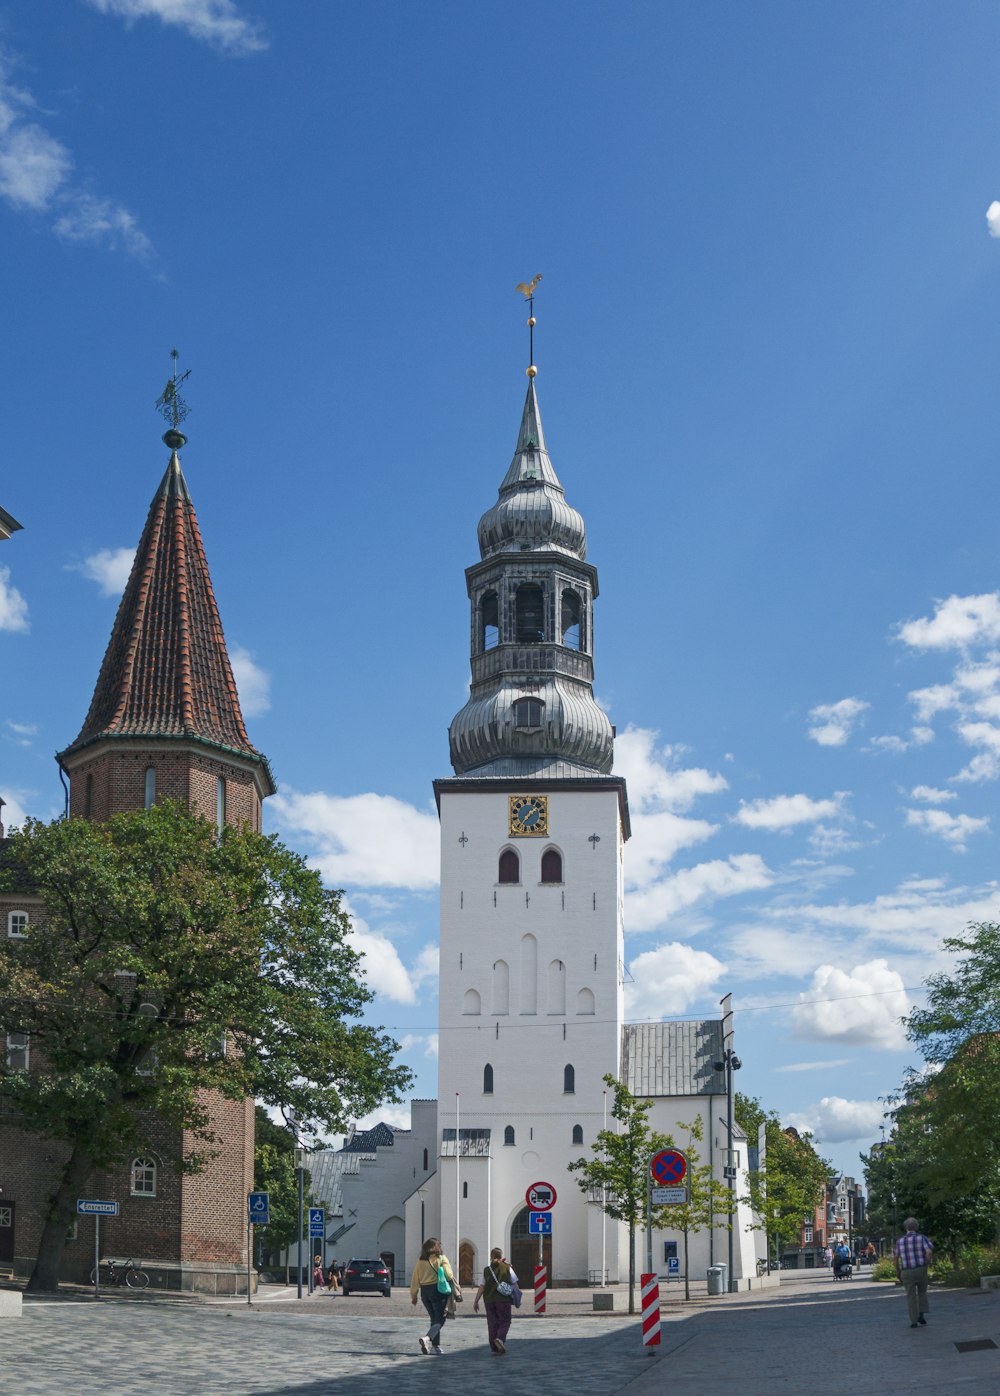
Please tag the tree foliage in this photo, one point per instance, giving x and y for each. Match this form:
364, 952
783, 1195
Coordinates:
941, 1162
793, 1179
617, 1176
171, 962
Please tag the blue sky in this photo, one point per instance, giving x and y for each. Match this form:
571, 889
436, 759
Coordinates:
769, 361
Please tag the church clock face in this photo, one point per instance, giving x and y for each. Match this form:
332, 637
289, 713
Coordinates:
529, 814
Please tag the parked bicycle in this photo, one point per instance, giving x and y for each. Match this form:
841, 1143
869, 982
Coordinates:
121, 1274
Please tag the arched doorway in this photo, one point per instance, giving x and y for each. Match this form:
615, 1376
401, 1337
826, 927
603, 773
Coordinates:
467, 1264
524, 1250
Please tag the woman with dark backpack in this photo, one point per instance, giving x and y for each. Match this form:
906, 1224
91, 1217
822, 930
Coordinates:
498, 1291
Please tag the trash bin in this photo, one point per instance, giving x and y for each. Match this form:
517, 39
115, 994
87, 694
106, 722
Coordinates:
716, 1279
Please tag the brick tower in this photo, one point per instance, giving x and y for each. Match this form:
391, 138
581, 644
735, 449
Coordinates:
165, 722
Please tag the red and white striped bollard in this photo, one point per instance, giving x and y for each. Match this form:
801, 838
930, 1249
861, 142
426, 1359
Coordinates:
650, 1312
541, 1284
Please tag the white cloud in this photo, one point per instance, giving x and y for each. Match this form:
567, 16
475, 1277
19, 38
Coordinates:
932, 796
652, 906
957, 623
862, 1007
426, 1042
252, 683
90, 219
832, 722
109, 568
834, 1120
33, 166
935, 699
216, 22
364, 840
654, 779
954, 829
983, 767
785, 811
669, 979
23, 732
655, 839
15, 809
993, 219
36, 175
13, 607
427, 966
383, 970
827, 1065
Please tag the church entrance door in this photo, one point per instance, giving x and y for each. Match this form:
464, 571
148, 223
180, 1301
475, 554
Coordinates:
524, 1250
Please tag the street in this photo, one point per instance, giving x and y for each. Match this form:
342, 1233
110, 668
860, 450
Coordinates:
810, 1336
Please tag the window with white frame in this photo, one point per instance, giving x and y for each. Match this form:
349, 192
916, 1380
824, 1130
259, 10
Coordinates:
143, 1177
17, 1051
17, 924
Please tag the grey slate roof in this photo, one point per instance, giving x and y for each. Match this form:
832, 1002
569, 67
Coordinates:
366, 1141
673, 1059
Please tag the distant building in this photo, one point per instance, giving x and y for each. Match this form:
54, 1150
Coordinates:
8, 525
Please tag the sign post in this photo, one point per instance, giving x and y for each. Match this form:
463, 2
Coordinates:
541, 1198
86, 1207
258, 1214
668, 1170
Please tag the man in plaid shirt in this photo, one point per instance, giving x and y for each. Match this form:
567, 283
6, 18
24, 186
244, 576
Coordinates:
913, 1252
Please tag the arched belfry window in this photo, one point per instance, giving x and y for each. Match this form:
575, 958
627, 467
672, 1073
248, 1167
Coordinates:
529, 611
489, 621
487, 1079
569, 1080
508, 1134
552, 866
577, 1134
509, 869
570, 627
528, 713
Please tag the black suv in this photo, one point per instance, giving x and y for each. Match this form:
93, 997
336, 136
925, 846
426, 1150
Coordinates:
367, 1275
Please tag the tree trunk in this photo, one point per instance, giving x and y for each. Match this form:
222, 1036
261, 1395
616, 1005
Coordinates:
631, 1267
62, 1211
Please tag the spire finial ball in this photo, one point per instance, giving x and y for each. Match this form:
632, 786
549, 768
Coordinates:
532, 321
531, 370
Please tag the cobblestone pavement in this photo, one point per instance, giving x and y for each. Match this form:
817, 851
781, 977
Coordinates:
193, 1350
810, 1337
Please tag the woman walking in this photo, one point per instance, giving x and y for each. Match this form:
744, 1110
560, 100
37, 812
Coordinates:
425, 1284
495, 1292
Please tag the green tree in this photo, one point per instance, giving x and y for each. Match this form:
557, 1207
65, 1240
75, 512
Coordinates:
793, 1179
958, 1103
708, 1199
171, 962
616, 1178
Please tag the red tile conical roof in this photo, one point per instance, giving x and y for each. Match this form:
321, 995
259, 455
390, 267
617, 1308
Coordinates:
166, 671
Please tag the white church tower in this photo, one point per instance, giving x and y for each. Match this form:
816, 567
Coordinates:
533, 826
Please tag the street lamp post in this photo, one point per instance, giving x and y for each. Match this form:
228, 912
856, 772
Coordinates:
730, 1063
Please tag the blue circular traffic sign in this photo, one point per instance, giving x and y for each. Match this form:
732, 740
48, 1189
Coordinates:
668, 1167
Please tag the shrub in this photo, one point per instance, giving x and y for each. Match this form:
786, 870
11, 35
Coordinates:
884, 1269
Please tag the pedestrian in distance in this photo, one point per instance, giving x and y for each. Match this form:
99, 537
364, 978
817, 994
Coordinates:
828, 1257
432, 1282
332, 1278
496, 1292
318, 1280
913, 1254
